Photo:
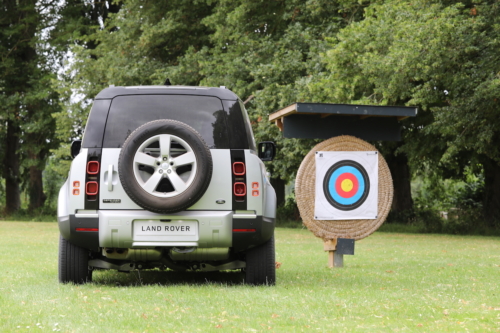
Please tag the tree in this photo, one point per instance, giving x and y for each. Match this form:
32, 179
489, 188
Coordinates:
26, 102
440, 57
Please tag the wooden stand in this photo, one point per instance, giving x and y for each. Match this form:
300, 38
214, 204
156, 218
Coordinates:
335, 259
337, 248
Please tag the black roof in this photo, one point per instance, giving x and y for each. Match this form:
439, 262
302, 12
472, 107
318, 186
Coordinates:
112, 92
324, 120
345, 109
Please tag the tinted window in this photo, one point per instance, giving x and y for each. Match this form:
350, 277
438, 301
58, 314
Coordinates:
248, 126
239, 128
204, 113
94, 129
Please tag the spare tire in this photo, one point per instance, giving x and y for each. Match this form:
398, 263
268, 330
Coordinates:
165, 166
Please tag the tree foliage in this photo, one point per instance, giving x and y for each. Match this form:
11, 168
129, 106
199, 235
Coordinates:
442, 58
26, 101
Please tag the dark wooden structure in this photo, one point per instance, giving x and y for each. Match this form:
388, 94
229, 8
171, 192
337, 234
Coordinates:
323, 121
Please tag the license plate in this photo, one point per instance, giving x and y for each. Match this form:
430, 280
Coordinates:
174, 228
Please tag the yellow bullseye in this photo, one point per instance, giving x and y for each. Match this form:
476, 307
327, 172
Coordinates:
346, 185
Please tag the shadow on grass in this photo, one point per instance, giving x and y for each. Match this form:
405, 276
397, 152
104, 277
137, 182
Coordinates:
166, 278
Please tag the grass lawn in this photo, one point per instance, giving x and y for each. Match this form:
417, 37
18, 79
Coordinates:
395, 282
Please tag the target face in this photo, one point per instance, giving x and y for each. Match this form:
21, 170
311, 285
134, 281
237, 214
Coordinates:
346, 185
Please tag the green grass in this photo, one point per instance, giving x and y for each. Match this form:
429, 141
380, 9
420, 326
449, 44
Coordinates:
395, 282
401, 228
25, 216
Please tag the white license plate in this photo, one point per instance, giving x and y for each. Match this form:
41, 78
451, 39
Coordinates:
174, 228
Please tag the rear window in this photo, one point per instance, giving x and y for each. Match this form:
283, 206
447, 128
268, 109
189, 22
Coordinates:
204, 113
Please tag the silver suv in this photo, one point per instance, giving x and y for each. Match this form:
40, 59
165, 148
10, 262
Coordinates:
167, 177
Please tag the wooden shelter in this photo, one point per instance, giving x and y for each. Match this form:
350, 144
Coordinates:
323, 121
343, 127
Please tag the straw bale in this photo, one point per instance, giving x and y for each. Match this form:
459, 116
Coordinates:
305, 193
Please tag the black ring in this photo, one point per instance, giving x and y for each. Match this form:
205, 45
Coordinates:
328, 175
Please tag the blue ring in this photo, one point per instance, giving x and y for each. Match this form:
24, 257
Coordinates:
333, 178
330, 178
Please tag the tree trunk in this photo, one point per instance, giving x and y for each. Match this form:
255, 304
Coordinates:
11, 169
402, 203
491, 204
37, 197
279, 187
37, 150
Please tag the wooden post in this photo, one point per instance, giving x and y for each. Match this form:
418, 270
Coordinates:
334, 259
338, 259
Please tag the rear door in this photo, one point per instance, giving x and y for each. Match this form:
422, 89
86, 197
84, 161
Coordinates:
204, 113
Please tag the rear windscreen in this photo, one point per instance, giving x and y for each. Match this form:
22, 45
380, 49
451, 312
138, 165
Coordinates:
204, 113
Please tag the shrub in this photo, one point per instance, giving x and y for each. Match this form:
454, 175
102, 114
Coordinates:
288, 215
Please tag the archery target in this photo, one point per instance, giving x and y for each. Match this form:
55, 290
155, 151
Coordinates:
346, 185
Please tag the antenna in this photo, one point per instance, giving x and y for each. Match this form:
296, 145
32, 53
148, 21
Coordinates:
167, 82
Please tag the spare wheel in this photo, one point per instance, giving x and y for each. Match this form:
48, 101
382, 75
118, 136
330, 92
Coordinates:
165, 166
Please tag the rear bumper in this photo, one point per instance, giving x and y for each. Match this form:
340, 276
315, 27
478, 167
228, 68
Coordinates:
115, 229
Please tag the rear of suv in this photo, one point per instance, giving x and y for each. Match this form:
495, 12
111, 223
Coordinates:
167, 177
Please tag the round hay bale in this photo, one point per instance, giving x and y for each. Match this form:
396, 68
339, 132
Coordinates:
305, 193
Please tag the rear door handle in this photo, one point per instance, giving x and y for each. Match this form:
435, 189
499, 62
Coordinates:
110, 177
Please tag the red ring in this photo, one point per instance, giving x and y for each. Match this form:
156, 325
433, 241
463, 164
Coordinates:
338, 184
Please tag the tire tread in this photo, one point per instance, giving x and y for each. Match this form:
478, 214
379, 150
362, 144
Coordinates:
261, 265
73, 263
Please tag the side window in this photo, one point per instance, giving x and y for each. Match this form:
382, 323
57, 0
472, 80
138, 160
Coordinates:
204, 113
94, 130
248, 126
239, 128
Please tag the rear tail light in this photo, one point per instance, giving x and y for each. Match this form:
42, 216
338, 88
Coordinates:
239, 168
240, 189
93, 167
239, 181
91, 188
255, 189
243, 230
87, 229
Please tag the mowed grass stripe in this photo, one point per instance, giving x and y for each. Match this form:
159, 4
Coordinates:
395, 282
